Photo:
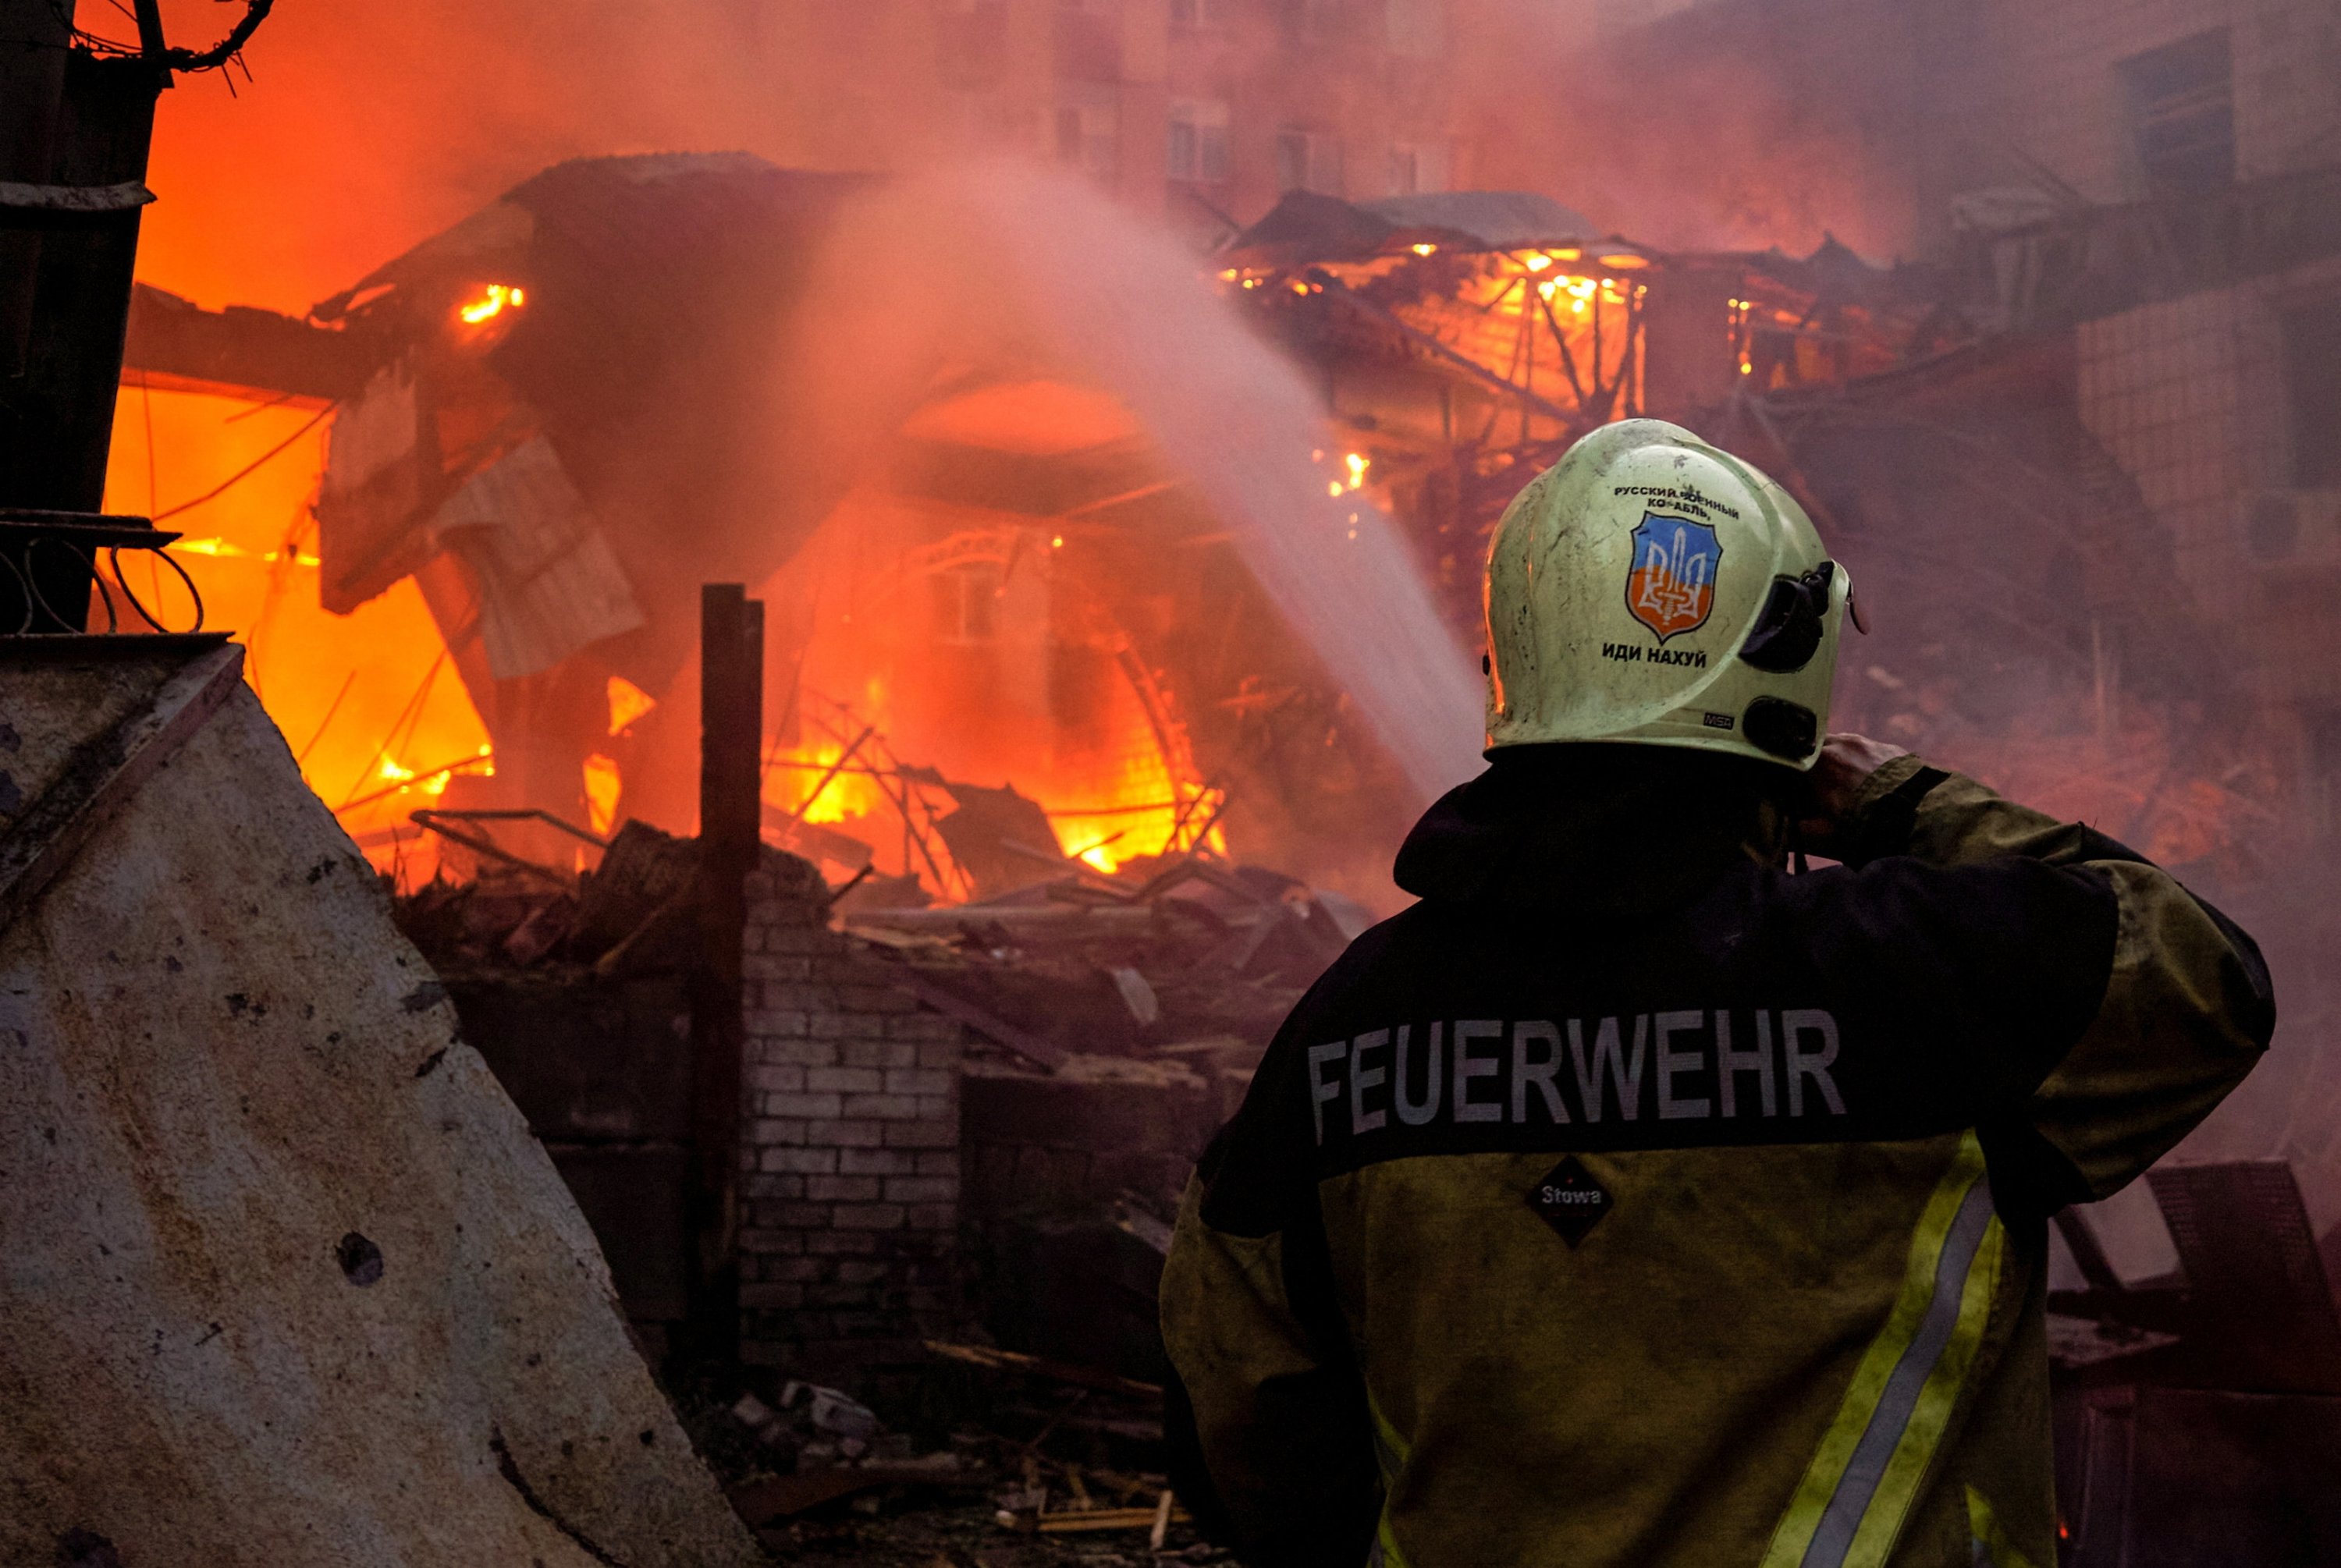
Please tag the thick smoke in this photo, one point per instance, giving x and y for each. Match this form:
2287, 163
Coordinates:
989, 263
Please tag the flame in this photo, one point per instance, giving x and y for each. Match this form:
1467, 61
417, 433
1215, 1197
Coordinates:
408, 780
220, 549
348, 693
852, 794
1424, 250
491, 303
603, 789
1352, 476
975, 704
628, 702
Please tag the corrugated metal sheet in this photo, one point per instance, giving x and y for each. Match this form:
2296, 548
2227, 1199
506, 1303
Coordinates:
1307, 226
368, 501
549, 583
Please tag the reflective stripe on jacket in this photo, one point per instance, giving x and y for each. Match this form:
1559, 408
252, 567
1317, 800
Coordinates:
1704, 1226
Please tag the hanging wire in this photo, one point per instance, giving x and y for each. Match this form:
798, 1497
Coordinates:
247, 470
230, 47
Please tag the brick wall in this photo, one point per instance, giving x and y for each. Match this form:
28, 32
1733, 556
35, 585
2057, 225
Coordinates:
2189, 396
849, 1188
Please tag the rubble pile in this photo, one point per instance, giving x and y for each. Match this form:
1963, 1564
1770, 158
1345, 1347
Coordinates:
1159, 955
1041, 1463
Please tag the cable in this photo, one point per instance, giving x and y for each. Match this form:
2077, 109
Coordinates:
247, 470
229, 48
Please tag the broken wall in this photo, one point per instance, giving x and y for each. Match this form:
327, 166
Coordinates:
287, 1278
850, 1133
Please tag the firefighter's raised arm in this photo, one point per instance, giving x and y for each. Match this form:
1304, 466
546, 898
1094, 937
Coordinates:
2186, 1006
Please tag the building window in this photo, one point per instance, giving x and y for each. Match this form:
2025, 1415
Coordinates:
1416, 29
966, 602
1198, 146
2312, 387
971, 43
2323, 727
1309, 19
1088, 137
2182, 114
1089, 41
1417, 167
1308, 161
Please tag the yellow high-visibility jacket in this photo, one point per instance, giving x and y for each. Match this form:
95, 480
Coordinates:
1630, 1201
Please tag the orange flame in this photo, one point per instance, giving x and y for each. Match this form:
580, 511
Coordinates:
491, 303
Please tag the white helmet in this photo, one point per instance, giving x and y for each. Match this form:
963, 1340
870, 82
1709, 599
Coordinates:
1648, 587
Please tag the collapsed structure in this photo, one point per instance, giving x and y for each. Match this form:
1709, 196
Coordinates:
940, 1102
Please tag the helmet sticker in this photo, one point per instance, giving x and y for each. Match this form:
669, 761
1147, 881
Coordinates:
1671, 588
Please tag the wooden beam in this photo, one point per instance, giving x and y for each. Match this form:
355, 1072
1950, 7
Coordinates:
730, 713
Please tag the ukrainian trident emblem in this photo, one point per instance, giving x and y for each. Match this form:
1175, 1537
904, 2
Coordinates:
1671, 587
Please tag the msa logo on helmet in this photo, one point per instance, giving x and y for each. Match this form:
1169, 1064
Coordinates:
1671, 587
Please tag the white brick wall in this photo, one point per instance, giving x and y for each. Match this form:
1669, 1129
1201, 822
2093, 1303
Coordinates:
851, 1179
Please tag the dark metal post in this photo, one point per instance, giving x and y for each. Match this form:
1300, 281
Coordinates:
731, 708
73, 136
56, 411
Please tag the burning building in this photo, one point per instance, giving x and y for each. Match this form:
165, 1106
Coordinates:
559, 417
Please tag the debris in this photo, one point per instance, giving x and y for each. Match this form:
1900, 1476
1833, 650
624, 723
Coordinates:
1136, 993
780, 1496
833, 1412
1049, 1370
643, 871
1000, 838
1155, 1521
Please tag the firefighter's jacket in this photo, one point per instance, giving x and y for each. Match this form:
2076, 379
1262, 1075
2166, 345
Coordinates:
1628, 1201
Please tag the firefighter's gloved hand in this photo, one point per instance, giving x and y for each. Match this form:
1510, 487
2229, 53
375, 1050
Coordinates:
1846, 762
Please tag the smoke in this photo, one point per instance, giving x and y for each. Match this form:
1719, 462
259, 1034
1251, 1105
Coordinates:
999, 263
1718, 127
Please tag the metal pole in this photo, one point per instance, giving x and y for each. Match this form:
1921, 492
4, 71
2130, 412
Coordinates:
73, 136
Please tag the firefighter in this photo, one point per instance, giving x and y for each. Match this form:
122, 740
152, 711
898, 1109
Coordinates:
1632, 1199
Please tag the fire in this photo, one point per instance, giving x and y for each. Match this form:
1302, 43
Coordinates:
405, 780
960, 650
1351, 475
491, 304
221, 548
603, 789
369, 704
822, 785
1424, 250
628, 702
